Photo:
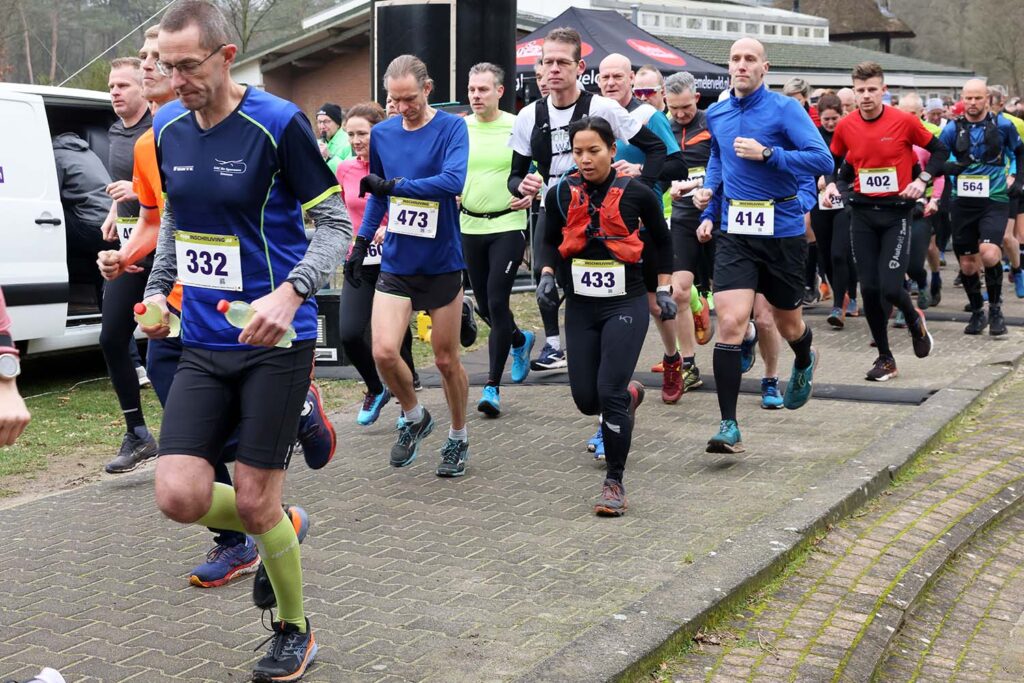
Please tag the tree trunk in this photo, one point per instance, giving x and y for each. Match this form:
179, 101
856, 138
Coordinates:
53, 45
28, 43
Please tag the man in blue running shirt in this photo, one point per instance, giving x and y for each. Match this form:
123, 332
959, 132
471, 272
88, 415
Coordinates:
238, 167
418, 164
764, 152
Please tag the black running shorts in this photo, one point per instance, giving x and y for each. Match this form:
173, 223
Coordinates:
426, 292
1016, 207
260, 392
686, 248
977, 223
773, 266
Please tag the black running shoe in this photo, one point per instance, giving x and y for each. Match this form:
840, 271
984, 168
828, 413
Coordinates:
883, 370
467, 335
135, 450
996, 322
921, 338
978, 323
409, 436
958, 281
454, 458
290, 654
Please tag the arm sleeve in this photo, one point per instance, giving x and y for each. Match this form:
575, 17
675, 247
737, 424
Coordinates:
333, 233
302, 167
165, 261
654, 154
452, 178
811, 157
554, 221
807, 194
653, 219
5, 324
673, 169
939, 153
520, 169
376, 206
713, 182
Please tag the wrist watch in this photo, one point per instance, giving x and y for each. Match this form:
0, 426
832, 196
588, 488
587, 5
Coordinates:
10, 366
664, 288
925, 177
766, 153
300, 288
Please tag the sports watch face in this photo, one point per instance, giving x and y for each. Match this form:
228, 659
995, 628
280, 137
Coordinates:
9, 366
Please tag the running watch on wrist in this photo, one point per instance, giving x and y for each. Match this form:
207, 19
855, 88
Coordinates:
10, 366
766, 153
300, 288
925, 177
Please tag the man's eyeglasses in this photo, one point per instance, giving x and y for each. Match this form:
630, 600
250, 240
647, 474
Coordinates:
647, 92
189, 67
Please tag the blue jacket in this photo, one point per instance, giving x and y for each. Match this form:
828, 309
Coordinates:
798, 154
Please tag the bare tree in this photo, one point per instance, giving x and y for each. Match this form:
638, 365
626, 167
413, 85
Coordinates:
249, 18
26, 32
54, 33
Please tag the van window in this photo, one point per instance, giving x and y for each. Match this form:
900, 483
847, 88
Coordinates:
21, 137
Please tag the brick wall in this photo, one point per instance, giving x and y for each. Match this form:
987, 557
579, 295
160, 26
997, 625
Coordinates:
345, 80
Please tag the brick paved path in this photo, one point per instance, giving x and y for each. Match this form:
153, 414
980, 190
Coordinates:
845, 599
412, 578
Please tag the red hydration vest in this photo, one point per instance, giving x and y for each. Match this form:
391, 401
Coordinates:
605, 223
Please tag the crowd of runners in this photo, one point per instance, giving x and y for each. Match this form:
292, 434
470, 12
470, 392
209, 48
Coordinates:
720, 223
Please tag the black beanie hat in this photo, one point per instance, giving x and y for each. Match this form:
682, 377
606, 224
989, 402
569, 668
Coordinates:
332, 111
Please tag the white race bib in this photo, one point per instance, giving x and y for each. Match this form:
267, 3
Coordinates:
878, 180
211, 261
598, 278
751, 217
695, 173
972, 186
415, 217
374, 252
125, 226
837, 202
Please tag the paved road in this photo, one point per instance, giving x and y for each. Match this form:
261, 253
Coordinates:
412, 578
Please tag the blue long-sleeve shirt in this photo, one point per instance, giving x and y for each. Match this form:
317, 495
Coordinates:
798, 153
431, 161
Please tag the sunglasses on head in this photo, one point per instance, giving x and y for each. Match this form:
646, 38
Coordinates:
647, 92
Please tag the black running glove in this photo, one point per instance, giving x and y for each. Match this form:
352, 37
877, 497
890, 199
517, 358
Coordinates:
547, 292
376, 185
667, 305
354, 262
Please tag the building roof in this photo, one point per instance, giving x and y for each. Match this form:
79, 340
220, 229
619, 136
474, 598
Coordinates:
854, 19
812, 58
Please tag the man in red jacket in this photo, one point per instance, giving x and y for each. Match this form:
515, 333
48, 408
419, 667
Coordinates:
14, 416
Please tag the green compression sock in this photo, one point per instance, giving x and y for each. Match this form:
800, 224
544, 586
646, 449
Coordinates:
695, 304
279, 549
223, 513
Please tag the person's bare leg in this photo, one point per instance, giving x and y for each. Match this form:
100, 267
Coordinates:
444, 338
682, 282
767, 335
389, 322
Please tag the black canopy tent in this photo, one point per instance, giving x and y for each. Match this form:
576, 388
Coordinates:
605, 32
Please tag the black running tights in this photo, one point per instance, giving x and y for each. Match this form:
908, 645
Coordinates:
493, 261
117, 341
548, 317
356, 310
881, 250
832, 230
603, 341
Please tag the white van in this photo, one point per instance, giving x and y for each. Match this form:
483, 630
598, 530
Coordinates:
49, 311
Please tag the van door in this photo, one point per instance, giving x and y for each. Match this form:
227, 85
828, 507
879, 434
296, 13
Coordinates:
33, 264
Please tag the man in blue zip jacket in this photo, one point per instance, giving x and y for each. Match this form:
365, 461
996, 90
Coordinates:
764, 148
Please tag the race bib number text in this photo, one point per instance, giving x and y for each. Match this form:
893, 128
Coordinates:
751, 217
972, 186
211, 261
598, 278
125, 226
374, 252
878, 180
414, 217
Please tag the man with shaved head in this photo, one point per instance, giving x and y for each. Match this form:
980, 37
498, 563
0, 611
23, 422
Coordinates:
765, 154
849, 100
981, 141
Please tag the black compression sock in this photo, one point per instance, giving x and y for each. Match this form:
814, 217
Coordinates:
972, 288
674, 358
689, 361
728, 370
994, 284
134, 419
518, 338
812, 264
802, 349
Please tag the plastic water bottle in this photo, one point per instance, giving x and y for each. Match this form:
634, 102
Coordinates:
239, 313
47, 675
150, 314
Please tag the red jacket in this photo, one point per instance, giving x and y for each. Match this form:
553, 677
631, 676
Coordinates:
623, 244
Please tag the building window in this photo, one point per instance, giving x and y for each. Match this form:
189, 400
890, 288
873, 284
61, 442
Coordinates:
732, 27
652, 20
752, 28
714, 24
787, 30
770, 29
694, 23
804, 32
673, 21
819, 33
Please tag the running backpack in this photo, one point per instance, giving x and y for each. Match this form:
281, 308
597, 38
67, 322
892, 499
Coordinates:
540, 138
584, 221
993, 143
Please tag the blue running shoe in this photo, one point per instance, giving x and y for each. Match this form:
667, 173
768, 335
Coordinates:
316, 433
490, 402
1018, 283
900, 321
372, 405
226, 562
771, 399
727, 440
521, 358
747, 347
798, 390
454, 458
596, 444
550, 358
